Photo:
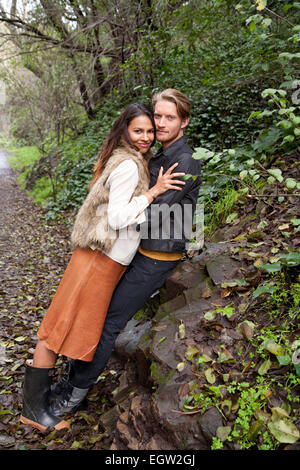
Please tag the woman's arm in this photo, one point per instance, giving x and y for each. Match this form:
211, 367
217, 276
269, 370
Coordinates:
122, 210
122, 183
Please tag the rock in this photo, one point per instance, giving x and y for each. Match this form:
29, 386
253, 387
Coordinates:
147, 420
183, 430
6, 441
110, 418
169, 307
212, 250
185, 276
127, 340
223, 268
230, 232
209, 423
136, 429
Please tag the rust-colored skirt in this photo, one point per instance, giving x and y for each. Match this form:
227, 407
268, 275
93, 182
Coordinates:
74, 321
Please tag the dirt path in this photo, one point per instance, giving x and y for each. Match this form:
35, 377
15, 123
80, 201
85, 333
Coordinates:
33, 256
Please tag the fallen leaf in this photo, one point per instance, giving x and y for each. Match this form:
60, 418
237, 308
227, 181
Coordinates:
203, 358
210, 375
225, 293
225, 356
284, 226
262, 415
274, 348
231, 217
278, 413
20, 339
263, 369
183, 390
206, 293
226, 404
223, 432
190, 352
161, 339
210, 316
181, 330
235, 282
246, 328
284, 431
77, 445
159, 327
180, 366
254, 430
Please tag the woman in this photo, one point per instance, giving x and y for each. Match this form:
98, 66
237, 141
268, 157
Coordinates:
105, 240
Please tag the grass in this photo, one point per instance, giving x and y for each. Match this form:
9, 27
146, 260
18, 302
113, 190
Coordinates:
21, 160
20, 156
42, 191
217, 211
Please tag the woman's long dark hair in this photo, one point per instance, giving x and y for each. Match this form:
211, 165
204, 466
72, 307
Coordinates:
119, 133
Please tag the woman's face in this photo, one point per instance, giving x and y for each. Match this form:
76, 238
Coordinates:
141, 133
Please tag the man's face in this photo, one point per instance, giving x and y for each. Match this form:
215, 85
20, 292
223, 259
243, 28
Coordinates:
169, 126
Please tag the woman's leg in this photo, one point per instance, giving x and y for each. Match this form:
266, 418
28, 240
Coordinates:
43, 357
141, 279
36, 388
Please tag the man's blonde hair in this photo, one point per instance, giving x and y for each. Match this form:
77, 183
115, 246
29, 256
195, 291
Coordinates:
183, 105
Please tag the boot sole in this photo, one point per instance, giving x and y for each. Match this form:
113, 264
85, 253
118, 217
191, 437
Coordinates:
61, 425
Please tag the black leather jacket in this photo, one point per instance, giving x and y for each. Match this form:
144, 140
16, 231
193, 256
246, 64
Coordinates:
170, 216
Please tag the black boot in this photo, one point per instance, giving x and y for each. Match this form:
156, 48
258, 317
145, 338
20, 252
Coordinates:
65, 399
35, 400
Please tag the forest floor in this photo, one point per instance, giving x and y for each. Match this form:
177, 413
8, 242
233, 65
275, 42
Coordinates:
33, 257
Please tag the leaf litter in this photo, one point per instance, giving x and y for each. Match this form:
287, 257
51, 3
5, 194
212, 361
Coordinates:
33, 257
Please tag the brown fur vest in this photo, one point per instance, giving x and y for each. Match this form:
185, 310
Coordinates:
91, 224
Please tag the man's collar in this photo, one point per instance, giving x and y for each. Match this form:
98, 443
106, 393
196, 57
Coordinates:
169, 151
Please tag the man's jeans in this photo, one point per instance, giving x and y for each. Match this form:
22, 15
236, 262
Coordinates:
141, 279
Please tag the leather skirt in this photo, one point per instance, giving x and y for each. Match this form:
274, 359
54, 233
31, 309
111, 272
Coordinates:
74, 321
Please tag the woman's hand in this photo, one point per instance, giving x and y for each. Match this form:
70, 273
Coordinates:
166, 181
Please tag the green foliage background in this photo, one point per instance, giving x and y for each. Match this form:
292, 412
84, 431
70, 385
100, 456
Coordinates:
222, 54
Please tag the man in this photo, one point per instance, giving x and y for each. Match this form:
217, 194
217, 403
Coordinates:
164, 240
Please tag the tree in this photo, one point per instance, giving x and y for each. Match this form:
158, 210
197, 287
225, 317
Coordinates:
96, 36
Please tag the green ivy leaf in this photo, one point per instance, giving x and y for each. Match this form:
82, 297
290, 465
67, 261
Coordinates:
292, 258
202, 153
271, 268
263, 290
290, 183
276, 172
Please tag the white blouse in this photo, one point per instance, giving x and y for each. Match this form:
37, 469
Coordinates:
123, 212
